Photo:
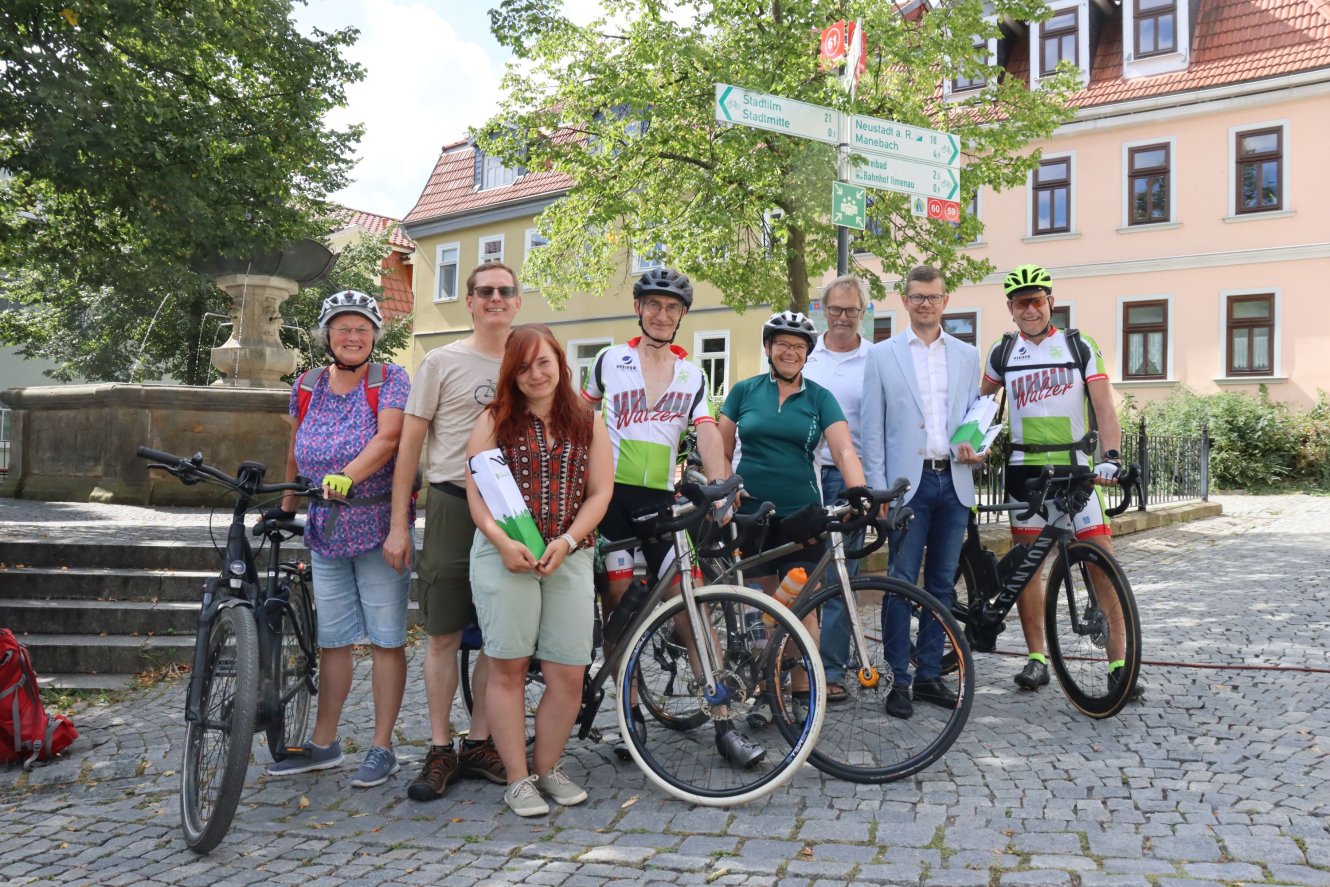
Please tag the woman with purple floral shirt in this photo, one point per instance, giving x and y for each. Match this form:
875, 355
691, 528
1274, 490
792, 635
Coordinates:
357, 594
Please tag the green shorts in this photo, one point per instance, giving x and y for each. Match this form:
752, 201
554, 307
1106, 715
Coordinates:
523, 615
443, 569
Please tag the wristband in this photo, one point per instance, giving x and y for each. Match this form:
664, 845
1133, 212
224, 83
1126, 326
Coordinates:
572, 543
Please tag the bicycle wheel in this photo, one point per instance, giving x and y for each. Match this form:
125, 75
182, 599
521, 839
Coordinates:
1090, 619
293, 671
217, 745
860, 742
687, 763
673, 676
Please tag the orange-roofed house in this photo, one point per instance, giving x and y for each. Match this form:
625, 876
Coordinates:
396, 278
1184, 213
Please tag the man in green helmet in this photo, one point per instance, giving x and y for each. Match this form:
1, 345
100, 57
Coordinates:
1051, 376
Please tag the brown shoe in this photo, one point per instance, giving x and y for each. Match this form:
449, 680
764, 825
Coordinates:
483, 761
440, 768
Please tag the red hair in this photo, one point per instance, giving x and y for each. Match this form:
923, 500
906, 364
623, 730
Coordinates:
568, 414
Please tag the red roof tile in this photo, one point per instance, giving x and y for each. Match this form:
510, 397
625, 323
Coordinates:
377, 224
451, 187
397, 299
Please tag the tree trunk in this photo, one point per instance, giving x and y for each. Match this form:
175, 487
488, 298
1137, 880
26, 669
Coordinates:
796, 270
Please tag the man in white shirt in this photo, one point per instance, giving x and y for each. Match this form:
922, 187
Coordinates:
918, 386
837, 364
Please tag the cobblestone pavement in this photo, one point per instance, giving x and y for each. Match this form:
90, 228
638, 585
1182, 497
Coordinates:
1219, 777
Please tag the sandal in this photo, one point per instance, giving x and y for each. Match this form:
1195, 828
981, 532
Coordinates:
836, 692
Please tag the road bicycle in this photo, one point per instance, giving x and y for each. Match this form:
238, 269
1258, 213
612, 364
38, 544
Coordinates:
1090, 615
695, 657
859, 741
255, 663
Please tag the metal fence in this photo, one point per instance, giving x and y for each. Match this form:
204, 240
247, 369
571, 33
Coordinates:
1173, 469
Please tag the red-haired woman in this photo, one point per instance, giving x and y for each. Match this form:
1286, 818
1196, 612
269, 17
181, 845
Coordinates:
559, 455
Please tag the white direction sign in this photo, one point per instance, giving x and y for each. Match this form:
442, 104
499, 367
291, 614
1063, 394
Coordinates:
873, 135
906, 176
774, 113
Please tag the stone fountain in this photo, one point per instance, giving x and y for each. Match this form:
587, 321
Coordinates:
76, 443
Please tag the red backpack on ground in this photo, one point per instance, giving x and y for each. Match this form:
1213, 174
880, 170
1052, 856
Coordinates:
28, 735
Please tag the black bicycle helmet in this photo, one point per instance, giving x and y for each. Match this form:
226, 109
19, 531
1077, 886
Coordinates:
1024, 277
791, 322
666, 282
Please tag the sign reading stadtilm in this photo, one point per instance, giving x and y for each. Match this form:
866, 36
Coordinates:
762, 110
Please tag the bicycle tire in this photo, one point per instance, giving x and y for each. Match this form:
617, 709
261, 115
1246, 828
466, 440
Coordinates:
293, 671
686, 763
860, 742
1078, 646
216, 755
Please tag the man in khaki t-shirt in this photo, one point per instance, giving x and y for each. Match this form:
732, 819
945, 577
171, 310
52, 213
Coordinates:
451, 388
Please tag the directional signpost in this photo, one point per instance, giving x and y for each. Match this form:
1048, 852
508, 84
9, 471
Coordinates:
906, 176
774, 113
873, 135
849, 205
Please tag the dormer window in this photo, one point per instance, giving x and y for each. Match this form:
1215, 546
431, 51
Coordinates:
491, 173
1057, 41
1155, 26
981, 57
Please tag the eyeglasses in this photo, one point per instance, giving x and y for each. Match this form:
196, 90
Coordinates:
837, 311
671, 309
796, 347
508, 292
921, 298
1026, 304
352, 330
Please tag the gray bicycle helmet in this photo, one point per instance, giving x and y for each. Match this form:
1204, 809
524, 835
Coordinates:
666, 282
792, 323
350, 302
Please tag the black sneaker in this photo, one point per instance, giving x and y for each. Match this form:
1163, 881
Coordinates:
1137, 690
934, 690
898, 703
1033, 676
738, 749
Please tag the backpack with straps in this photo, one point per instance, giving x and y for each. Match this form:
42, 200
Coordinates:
309, 380
28, 735
1076, 345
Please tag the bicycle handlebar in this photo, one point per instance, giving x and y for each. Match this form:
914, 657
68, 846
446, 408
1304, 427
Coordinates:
896, 518
1074, 476
193, 470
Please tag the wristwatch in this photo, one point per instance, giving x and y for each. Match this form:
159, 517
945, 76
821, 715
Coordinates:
1112, 456
572, 543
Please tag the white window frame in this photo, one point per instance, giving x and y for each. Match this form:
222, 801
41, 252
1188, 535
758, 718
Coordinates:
1072, 229
1286, 197
481, 258
949, 90
1071, 311
1083, 59
1276, 338
1127, 147
701, 357
641, 264
888, 315
439, 295
1117, 373
496, 170
1162, 63
531, 234
576, 364
979, 214
978, 313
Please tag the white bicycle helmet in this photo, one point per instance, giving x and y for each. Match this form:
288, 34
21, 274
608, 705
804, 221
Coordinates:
350, 302
792, 323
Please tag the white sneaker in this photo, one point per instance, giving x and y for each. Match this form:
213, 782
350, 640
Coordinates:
523, 798
558, 786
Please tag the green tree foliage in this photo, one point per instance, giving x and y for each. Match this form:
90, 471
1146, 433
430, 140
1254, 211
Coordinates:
625, 107
1255, 442
139, 134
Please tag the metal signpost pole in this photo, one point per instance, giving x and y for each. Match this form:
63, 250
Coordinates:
843, 175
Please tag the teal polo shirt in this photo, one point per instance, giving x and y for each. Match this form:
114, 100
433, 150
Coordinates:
779, 442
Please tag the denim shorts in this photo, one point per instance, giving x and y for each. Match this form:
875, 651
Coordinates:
522, 614
359, 597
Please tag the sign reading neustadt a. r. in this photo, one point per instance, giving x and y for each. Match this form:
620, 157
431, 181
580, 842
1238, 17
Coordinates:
774, 113
877, 136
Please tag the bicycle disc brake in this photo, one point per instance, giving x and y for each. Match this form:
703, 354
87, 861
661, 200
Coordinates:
731, 694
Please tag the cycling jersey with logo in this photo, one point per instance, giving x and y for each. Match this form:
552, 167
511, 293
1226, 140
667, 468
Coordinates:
645, 436
1047, 394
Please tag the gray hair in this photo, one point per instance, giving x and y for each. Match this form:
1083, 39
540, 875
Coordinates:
849, 281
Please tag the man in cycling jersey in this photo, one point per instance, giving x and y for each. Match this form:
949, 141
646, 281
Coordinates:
1050, 376
650, 396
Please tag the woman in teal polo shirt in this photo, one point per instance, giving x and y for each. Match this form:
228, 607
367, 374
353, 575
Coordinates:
782, 418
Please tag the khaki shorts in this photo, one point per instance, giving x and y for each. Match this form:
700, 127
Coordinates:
523, 615
444, 566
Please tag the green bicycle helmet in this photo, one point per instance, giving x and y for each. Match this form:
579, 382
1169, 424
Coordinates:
1023, 277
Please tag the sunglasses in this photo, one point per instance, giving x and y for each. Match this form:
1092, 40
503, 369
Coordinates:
1030, 302
507, 292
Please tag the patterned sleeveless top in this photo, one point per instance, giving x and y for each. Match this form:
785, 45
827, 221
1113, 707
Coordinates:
552, 478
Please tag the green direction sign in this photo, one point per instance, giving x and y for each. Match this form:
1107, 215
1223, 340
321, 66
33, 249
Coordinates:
774, 113
906, 176
849, 205
873, 135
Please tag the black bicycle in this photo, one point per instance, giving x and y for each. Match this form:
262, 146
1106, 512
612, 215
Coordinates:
1090, 616
860, 742
255, 661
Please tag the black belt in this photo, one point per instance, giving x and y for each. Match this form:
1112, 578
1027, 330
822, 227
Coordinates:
449, 489
937, 464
